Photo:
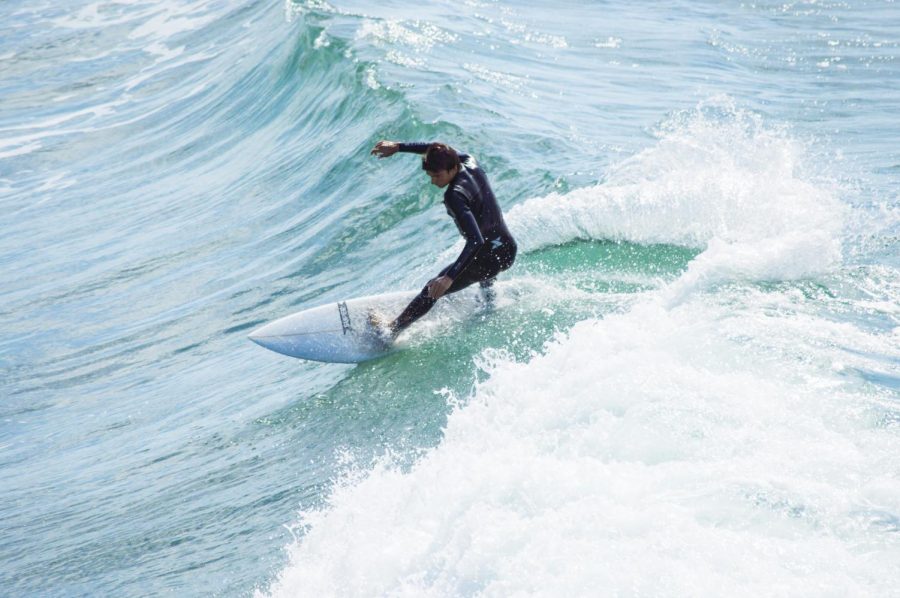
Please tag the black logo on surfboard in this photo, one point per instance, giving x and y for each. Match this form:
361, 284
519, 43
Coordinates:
345, 316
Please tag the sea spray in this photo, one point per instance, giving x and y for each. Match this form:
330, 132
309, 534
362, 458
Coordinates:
714, 172
645, 453
698, 443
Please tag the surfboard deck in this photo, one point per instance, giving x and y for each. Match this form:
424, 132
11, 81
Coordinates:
335, 332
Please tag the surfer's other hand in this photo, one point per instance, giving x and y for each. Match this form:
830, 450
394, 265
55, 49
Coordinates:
438, 286
385, 149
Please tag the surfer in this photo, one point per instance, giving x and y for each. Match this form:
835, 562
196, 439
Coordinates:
490, 248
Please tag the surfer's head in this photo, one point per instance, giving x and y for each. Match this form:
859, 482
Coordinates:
441, 163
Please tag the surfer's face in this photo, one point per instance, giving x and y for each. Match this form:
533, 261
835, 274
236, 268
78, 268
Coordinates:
441, 178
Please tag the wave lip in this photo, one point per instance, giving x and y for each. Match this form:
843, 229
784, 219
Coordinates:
717, 179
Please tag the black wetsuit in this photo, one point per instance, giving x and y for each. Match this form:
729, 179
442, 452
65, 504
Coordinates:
490, 248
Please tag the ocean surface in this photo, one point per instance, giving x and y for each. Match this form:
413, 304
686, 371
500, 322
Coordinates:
689, 384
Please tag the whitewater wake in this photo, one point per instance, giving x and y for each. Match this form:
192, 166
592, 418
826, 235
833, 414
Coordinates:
708, 441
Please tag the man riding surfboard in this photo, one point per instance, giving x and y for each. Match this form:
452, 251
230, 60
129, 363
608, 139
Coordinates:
469, 200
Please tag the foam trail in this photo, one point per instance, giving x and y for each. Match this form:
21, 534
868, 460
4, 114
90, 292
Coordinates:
717, 179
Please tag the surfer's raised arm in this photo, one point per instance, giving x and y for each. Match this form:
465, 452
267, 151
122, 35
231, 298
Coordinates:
386, 149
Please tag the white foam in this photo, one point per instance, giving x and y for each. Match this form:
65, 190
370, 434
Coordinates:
322, 41
716, 179
609, 42
645, 454
421, 36
698, 444
18, 147
293, 9
504, 80
167, 24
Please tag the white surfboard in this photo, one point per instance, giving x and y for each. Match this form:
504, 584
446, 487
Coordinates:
336, 332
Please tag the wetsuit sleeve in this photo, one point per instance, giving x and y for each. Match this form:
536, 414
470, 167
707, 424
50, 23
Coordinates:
416, 147
469, 227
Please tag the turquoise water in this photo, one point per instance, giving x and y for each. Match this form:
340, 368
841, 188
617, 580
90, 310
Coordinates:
689, 384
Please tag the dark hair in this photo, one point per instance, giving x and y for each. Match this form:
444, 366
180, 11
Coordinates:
440, 157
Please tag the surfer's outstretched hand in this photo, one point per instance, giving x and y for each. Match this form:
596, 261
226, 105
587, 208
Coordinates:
385, 149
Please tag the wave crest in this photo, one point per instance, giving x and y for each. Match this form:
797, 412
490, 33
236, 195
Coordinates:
717, 179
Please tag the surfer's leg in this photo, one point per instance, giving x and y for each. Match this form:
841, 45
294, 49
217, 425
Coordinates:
483, 269
506, 254
494, 263
417, 308
487, 290
423, 302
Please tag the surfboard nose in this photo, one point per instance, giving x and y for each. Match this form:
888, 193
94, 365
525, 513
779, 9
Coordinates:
279, 344
267, 337
256, 337
258, 333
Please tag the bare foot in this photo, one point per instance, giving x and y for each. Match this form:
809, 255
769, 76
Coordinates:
383, 331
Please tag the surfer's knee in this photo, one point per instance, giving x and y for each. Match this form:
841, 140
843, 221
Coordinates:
509, 258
